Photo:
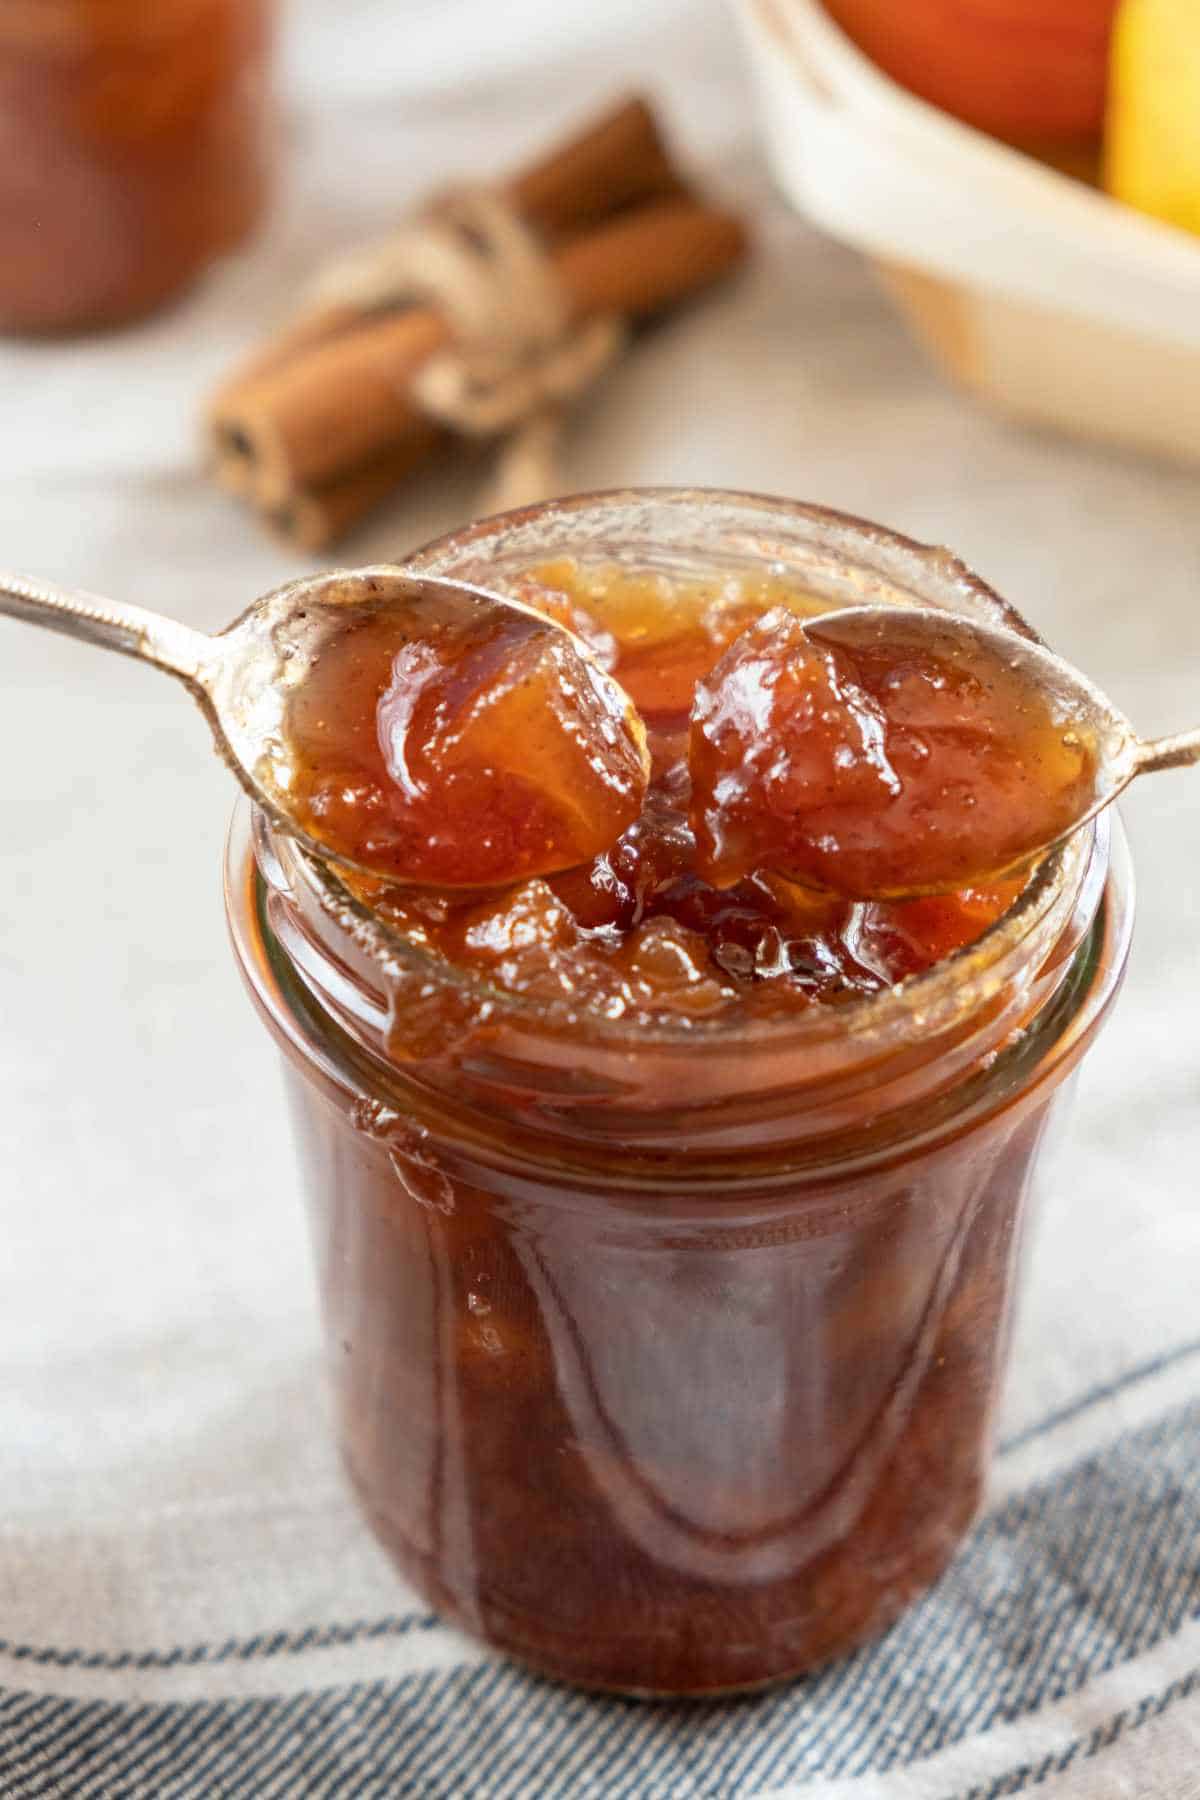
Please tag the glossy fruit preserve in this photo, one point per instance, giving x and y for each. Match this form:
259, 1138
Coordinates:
667, 1230
879, 755
453, 745
641, 922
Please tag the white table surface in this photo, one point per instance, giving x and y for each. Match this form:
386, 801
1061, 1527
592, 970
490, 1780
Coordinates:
158, 1373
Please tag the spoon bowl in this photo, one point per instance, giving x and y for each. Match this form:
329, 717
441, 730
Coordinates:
893, 752
247, 678
1118, 754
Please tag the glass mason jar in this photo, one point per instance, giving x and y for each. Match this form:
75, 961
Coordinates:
666, 1359
133, 150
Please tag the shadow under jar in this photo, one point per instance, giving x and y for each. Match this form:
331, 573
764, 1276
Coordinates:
666, 1356
134, 142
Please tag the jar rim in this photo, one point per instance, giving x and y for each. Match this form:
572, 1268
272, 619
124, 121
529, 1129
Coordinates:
869, 559
775, 1095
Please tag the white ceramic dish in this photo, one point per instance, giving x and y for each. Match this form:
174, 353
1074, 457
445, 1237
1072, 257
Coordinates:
1046, 297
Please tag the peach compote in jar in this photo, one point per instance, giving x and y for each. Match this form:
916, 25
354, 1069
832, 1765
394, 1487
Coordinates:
667, 1233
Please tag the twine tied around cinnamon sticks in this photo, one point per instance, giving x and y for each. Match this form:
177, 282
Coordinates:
483, 317
517, 358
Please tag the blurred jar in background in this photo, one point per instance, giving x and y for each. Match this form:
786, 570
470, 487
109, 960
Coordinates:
134, 139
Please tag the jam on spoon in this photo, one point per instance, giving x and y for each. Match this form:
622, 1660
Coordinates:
885, 752
415, 730
461, 745
431, 733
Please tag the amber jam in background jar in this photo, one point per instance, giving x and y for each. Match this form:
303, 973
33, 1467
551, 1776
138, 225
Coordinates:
666, 1346
134, 137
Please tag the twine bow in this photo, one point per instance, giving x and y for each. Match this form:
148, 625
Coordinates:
518, 359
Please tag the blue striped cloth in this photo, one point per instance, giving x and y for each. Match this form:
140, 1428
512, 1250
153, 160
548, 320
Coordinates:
1091, 1572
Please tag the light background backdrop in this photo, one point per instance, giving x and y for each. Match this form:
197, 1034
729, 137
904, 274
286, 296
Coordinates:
158, 1375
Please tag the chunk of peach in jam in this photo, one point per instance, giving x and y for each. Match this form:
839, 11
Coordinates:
461, 748
642, 929
667, 633
875, 757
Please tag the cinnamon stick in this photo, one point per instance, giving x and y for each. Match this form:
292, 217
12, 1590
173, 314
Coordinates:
620, 160
647, 261
333, 407
311, 518
338, 404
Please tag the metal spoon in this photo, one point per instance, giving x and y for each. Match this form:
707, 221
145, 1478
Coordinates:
1120, 754
1114, 753
244, 677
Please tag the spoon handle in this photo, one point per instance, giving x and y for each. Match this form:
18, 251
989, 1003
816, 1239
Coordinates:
1169, 752
131, 630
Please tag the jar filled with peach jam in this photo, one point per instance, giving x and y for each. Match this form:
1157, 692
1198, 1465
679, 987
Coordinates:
134, 141
668, 1240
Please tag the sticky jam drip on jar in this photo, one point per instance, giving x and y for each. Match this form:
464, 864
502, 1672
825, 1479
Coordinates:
645, 928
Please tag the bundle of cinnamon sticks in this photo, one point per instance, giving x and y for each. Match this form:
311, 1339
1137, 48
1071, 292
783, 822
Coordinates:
322, 424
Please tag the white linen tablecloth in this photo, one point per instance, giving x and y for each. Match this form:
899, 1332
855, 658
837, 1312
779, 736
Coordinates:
189, 1604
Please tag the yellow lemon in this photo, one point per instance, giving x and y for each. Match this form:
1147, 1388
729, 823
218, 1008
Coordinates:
1153, 142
